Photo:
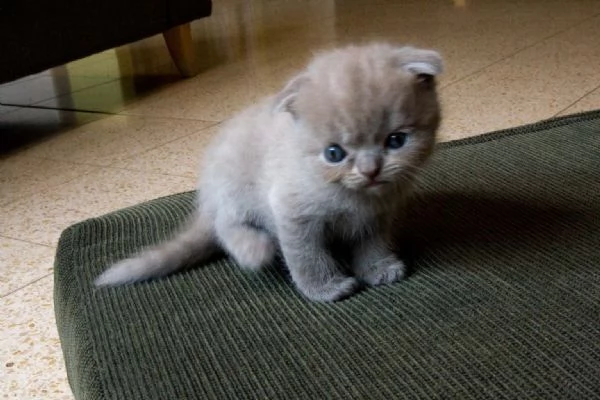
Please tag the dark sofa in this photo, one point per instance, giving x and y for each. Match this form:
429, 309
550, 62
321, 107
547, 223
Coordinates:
41, 34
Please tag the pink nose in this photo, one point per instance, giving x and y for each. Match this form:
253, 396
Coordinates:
371, 172
369, 165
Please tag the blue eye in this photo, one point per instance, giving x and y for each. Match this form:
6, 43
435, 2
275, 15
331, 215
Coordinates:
334, 153
395, 140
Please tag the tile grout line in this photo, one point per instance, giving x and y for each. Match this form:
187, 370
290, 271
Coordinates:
108, 114
26, 285
577, 101
123, 114
33, 105
174, 140
108, 166
58, 131
482, 69
212, 125
147, 172
24, 197
37, 107
53, 186
112, 167
111, 164
22, 80
27, 241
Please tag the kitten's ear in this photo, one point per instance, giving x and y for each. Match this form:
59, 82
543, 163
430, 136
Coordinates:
425, 64
284, 100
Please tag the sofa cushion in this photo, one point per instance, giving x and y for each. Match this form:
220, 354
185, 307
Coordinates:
503, 300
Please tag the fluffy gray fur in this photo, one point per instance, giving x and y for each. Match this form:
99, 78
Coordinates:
266, 185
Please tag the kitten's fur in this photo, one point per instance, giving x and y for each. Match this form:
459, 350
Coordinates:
266, 184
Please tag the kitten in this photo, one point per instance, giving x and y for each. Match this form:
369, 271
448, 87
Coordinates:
330, 158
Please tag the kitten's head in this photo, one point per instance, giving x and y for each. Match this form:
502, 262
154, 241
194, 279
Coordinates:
366, 116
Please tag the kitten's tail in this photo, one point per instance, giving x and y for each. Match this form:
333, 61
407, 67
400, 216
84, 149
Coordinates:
195, 243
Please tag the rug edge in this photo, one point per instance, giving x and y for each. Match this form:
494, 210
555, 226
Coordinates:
522, 129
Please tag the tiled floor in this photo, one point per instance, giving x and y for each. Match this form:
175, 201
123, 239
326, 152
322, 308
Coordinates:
120, 127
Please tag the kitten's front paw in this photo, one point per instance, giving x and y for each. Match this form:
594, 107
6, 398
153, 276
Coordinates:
338, 288
383, 272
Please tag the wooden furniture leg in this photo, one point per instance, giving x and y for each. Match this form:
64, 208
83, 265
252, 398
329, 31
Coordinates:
181, 47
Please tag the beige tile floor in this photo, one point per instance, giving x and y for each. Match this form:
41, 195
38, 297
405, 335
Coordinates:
120, 127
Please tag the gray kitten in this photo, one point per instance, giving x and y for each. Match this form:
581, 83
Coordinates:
328, 160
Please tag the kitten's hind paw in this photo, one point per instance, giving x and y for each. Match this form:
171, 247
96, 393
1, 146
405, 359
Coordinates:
383, 272
338, 288
256, 251
251, 248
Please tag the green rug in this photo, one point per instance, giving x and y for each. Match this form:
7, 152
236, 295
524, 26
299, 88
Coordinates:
503, 300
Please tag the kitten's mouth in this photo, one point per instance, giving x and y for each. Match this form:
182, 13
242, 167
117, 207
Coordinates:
375, 183
368, 186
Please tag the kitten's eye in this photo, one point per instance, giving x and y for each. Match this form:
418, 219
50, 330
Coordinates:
395, 140
334, 153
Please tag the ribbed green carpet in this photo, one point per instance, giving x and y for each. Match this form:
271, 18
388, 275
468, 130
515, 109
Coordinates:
503, 301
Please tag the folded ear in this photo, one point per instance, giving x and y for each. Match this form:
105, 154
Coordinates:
420, 61
284, 100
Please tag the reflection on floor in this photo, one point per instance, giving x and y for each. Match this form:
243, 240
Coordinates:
121, 127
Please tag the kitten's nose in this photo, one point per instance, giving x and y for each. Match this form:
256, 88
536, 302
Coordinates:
369, 167
371, 173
